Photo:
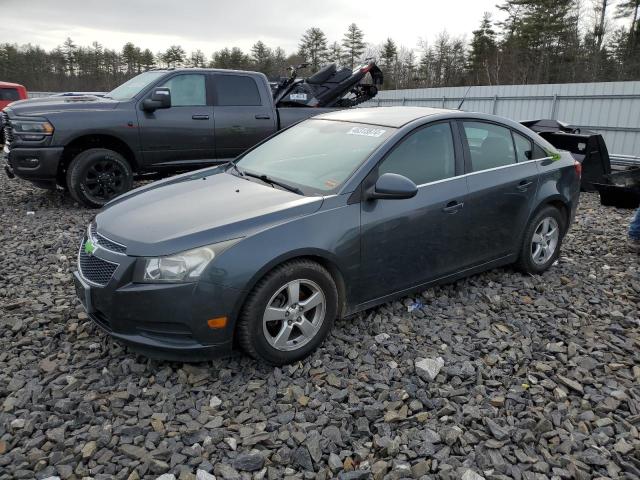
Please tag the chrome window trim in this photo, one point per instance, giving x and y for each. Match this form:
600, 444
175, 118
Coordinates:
483, 171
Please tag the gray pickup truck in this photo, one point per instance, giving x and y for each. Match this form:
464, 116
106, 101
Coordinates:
161, 121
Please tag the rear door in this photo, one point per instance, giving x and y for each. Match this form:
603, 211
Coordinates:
408, 242
244, 113
502, 180
184, 133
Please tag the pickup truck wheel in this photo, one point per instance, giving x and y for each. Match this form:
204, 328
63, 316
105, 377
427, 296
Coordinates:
97, 176
289, 313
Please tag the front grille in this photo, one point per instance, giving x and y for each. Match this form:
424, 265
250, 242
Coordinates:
94, 269
7, 130
104, 242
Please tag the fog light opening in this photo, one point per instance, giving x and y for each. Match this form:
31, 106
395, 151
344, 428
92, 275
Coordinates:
218, 322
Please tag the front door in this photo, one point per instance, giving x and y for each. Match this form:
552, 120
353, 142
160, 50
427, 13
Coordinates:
243, 117
184, 133
502, 184
409, 242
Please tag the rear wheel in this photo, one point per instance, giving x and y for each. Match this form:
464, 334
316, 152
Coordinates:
542, 240
289, 313
97, 176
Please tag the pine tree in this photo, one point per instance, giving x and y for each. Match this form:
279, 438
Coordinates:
174, 56
336, 54
262, 57
484, 49
313, 47
197, 59
353, 43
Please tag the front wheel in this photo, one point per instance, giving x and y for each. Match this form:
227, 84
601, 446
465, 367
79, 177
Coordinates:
541, 241
289, 313
97, 176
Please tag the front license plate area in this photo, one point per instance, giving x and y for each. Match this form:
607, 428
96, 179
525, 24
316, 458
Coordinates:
83, 291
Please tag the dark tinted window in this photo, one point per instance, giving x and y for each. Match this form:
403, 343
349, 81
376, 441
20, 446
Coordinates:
424, 156
524, 147
538, 152
9, 94
187, 90
490, 145
236, 90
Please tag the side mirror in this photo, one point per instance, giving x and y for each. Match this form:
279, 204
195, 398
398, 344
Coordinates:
160, 98
392, 186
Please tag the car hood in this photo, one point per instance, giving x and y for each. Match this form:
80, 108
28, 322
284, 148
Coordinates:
198, 209
47, 105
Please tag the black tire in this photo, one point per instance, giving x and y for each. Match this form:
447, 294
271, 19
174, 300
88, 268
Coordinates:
97, 176
526, 260
251, 329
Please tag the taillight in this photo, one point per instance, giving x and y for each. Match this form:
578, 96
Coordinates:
578, 166
366, 68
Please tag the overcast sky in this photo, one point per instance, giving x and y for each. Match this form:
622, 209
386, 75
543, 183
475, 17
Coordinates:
213, 24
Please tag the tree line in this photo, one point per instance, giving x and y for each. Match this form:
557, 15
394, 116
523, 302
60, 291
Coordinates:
537, 41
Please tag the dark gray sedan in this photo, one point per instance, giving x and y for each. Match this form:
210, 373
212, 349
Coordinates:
330, 217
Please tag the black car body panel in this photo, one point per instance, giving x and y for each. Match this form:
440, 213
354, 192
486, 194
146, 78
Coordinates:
376, 250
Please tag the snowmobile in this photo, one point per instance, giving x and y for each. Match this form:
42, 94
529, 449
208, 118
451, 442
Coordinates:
329, 86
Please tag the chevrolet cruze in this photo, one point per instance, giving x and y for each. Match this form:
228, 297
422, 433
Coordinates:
327, 218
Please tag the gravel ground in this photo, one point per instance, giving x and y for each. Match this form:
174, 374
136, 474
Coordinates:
497, 376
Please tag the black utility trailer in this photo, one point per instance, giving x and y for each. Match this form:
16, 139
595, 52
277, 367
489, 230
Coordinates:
618, 185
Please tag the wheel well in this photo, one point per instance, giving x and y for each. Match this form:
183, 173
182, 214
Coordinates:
86, 142
333, 270
562, 207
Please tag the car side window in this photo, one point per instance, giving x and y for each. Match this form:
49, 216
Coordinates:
538, 152
187, 90
524, 147
236, 90
490, 145
10, 94
424, 156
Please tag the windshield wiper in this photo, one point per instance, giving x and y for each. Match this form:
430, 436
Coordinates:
233, 165
273, 182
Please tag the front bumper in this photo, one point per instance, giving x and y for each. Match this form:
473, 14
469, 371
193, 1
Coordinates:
35, 164
163, 321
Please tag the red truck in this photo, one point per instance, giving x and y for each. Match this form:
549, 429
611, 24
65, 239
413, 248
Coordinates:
10, 92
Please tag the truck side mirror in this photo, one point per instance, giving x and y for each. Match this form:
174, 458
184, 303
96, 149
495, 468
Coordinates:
160, 98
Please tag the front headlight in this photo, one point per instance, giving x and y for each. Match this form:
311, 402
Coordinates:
183, 267
32, 127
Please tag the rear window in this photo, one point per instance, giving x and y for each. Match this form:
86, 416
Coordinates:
236, 90
9, 94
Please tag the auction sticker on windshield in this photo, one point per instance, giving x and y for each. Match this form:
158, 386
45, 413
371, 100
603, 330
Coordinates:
366, 131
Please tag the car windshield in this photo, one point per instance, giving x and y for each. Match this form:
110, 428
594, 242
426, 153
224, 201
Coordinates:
131, 88
317, 154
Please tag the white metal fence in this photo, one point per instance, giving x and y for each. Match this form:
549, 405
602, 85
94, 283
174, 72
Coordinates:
609, 108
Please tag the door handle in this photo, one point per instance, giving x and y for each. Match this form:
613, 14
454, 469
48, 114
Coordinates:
262, 117
200, 117
524, 185
453, 207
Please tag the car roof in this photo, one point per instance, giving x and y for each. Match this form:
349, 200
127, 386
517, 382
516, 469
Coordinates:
384, 116
9, 84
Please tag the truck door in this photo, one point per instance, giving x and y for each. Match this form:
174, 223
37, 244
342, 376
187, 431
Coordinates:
244, 114
184, 133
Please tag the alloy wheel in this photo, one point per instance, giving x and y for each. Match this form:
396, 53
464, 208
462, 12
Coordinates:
104, 180
294, 315
545, 240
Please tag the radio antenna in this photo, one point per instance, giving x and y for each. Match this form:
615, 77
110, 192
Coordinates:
463, 98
